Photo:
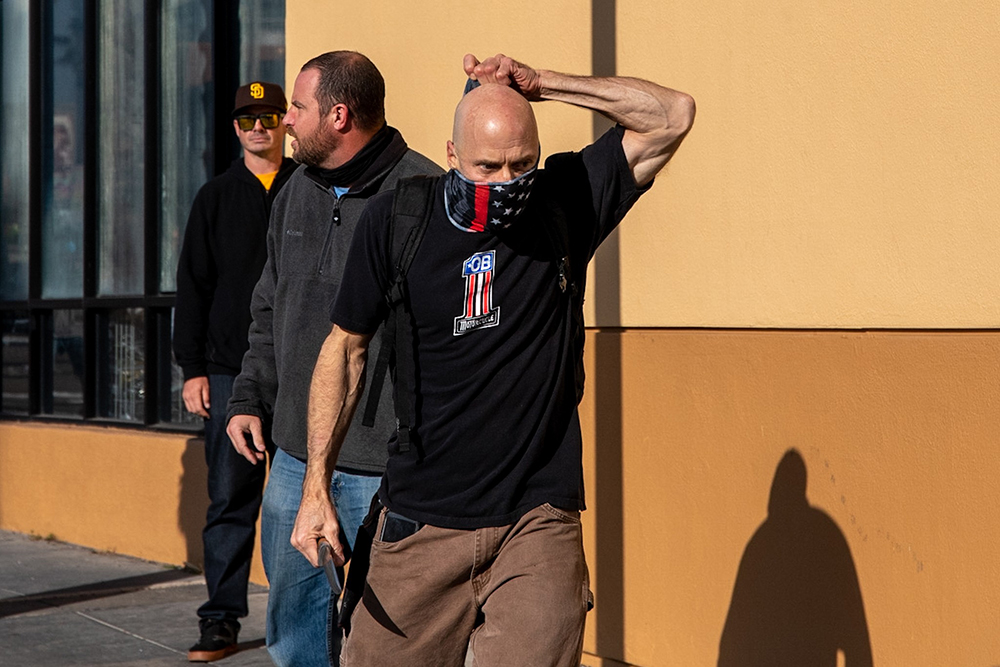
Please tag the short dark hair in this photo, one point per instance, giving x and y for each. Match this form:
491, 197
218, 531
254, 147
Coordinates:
347, 77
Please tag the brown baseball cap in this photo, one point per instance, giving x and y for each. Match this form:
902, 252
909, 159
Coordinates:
260, 93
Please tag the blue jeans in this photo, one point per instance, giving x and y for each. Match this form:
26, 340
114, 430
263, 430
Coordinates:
234, 488
300, 605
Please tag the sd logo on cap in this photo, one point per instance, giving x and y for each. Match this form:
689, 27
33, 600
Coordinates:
260, 94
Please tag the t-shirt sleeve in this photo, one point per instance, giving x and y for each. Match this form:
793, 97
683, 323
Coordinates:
359, 306
601, 170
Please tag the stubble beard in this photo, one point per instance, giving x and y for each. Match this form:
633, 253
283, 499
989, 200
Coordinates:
315, 149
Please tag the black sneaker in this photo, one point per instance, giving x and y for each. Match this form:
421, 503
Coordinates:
218, 639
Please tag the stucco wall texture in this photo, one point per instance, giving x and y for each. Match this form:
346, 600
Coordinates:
897, 435
815, 272
118, 490
841, 170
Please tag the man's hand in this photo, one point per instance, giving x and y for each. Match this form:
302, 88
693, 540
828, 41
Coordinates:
317, 518
196, 396
507, 72
238, 428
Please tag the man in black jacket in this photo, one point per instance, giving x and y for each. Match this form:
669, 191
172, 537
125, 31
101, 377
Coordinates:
225, 247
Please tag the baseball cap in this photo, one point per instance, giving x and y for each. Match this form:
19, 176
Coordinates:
260, 93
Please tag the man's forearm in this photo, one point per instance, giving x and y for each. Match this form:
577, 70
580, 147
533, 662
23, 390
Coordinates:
656, 119
334, 394
636, 104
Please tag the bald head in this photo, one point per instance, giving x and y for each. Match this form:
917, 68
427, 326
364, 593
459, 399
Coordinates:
495, 137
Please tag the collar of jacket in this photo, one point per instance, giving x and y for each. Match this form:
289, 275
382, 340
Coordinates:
376, 173
238, 168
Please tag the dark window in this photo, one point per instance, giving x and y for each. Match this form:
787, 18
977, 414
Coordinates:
15, 352
126, 104
64, 148
14, 180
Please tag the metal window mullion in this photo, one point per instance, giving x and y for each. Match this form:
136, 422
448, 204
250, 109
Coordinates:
39, 100
90, 148
37, 65
91, 329
226, 73
151, 207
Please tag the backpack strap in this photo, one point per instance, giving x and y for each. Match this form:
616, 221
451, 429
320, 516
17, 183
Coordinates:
411, 207
570, 285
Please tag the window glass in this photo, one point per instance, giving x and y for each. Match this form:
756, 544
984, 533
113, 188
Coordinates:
262, 41
121, 85
63, 151
187, 123
14, 362
123, 374
81, 176
14, 150
66, 381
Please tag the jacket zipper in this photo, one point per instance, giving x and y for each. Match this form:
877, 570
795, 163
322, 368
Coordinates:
335, 222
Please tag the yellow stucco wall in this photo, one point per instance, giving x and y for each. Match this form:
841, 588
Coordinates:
840, 175
684, 431
120, 490
898, 433
841, 172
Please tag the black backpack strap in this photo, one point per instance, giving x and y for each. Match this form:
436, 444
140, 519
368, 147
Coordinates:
570, 285
410, 213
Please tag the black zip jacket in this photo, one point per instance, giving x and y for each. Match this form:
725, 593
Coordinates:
225, 248
311, 230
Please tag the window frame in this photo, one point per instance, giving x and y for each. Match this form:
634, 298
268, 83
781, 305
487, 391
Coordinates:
156, 306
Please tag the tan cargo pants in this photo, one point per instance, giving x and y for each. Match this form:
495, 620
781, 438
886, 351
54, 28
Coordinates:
521, 592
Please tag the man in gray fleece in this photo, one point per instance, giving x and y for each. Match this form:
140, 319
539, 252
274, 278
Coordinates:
347, 154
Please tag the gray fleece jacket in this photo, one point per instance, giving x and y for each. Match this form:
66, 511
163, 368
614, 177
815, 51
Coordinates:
307, 243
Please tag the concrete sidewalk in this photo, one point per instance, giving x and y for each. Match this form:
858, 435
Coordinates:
67, 605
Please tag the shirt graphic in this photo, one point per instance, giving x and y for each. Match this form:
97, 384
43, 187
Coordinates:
479, 311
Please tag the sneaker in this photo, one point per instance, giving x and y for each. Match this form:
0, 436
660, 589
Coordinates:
218, 639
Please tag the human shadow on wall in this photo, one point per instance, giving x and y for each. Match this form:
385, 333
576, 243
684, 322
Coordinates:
797, 601
194, 501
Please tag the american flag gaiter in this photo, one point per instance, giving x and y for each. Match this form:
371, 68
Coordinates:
477, 207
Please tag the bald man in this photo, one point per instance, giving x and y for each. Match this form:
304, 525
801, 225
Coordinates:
479, 531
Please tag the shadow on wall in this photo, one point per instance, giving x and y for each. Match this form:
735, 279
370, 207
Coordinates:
606, 384
193, 500
797, 600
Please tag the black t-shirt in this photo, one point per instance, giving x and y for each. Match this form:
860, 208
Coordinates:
497, 430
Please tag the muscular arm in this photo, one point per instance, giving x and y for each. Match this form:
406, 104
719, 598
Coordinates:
656, 119
337, 383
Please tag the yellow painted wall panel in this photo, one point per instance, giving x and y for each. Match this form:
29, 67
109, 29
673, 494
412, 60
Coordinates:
684, 431
841, 171
419, 46
897, 433
120, 490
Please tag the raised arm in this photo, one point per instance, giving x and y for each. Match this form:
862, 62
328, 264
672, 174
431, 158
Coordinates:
656, 119
337, 384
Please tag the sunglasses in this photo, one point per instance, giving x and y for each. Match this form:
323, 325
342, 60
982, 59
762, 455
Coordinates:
268, 121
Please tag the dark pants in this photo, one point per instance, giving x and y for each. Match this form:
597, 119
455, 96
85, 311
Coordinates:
235, 487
